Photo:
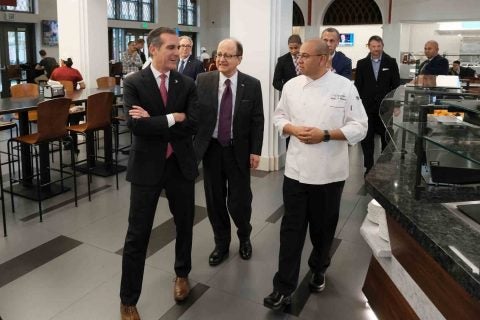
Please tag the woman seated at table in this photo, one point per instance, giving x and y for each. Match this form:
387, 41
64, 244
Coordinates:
66, 72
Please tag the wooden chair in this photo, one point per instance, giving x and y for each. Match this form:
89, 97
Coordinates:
26, 90
99, 117
67, 85
106, 82
52, 126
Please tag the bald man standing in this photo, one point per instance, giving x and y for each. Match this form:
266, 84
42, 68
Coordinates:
322, 113
435, 64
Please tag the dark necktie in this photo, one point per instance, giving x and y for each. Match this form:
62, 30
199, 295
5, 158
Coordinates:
225, 118
164, 94
182, 66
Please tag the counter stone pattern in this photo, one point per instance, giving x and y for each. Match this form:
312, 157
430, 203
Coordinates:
391, 182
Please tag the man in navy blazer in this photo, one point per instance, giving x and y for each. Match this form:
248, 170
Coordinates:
285, 68
435, 64
377, 74
230, 152
162, 115
341, 64
188, 64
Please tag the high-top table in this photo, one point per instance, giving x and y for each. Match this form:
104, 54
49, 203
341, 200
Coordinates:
22, 106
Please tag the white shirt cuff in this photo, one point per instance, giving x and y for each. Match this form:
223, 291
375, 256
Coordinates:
170, 120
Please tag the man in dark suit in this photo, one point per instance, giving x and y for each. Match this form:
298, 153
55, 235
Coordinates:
229, 141
461, 72
188, 64
377, 74
287, 66
340, 63
163, 110
435, 64
139, 44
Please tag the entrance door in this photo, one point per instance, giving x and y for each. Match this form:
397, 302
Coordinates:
17, 47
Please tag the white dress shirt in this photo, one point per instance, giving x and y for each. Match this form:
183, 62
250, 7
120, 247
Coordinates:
328, 103
221, 89
156, 74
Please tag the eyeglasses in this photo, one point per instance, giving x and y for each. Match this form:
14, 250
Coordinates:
184, 46
226, 56
305, 56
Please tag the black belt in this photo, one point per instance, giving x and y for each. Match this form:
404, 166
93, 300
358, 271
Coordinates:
225, 146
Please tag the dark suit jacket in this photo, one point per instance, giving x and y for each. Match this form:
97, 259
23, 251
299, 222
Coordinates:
151, 135
437, 66
373, 91
465, 72
247, 116
192, 68
342, 65
284, 71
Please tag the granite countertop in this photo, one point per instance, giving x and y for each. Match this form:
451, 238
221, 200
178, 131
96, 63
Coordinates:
434, 227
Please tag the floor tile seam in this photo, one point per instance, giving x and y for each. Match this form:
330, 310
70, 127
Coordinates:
348, 217
234, 295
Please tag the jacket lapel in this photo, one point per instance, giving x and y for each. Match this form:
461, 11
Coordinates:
151, 83
240, 92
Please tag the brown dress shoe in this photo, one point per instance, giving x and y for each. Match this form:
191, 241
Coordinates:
181, 290
129, 312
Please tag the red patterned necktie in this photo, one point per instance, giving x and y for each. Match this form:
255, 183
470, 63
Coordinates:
297, 67
164, 94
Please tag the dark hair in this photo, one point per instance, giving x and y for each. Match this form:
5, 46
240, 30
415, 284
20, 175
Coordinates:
42, 52
295, 38
130, 42
239, 47
375, 38
332, 30
140, 40
456, 62
154, 36
68, 62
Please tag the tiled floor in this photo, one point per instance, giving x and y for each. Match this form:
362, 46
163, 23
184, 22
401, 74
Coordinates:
68, 267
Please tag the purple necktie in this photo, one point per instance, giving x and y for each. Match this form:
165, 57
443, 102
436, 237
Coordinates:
225, 118
164, 94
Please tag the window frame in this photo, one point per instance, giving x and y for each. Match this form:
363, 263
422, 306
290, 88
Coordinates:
184, 8
117, 13
31, 5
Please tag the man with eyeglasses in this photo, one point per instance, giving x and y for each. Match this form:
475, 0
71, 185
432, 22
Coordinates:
229, 141
323, 114
340, 63
188, 64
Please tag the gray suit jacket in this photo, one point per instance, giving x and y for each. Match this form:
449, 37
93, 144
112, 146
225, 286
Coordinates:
248, 120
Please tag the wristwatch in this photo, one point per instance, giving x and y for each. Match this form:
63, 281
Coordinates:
326, 136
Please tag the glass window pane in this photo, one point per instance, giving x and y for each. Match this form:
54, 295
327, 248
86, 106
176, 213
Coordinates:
12, 47
110, 9
22, 47
22, 6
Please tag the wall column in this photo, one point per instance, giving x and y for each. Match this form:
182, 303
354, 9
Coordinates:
263, 27
83, 36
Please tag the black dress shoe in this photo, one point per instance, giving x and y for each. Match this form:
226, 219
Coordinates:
317, 282
217, 256
276, 300
245, 250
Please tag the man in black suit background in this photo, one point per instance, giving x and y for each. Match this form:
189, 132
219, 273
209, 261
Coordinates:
163, 110
340, 63
229, 141
377, 74
287, 65
435, 64
188, 64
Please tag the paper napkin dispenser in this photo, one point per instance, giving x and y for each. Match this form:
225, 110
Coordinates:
53, 91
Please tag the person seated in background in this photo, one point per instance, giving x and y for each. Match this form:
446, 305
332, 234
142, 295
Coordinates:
204, 55
47, 65
461, 72
212, 66
66, 72
131, 60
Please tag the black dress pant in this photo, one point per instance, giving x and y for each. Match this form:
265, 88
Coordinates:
143, 203
227, 190
316, 207
375, 126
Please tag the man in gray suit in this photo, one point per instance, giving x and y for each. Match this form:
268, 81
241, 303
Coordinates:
229, 142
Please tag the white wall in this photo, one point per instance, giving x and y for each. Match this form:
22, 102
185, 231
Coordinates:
214, 23
361, 35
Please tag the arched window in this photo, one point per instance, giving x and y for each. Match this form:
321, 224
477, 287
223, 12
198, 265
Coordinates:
298, 20
347, 12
